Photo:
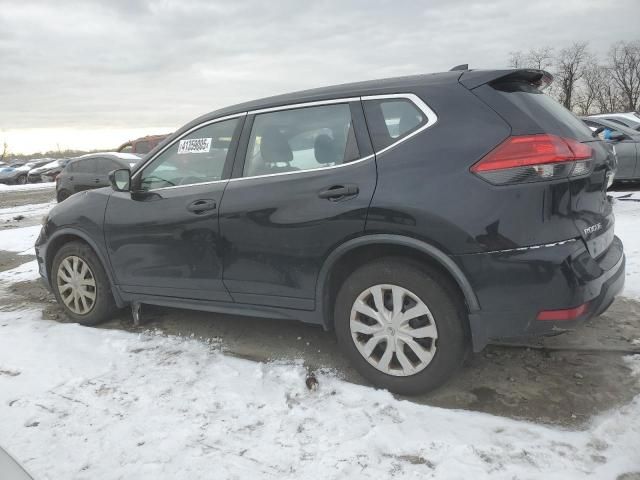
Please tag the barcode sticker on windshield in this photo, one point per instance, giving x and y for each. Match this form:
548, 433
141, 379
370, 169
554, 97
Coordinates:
194, 145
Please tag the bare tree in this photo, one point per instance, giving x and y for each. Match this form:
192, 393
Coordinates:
517, 59
625, 70
569, 70
592, 87
5, 151
540, 58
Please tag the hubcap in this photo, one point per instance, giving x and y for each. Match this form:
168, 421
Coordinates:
76, 285
393, 330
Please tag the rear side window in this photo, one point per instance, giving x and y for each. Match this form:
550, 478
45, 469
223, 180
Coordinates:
300, 139
90, 165
105, 165
392, 119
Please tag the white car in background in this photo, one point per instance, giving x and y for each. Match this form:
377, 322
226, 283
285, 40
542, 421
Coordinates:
629, 119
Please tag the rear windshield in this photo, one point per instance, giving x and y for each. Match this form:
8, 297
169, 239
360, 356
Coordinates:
540, 111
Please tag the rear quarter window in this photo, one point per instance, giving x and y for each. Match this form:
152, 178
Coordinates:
528, 110
389, 120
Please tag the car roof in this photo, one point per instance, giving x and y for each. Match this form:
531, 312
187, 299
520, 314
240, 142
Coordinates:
369, 87
114, 155
117, 156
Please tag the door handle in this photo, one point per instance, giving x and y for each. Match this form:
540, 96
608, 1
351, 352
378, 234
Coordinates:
203, 205
96, 180
338, 192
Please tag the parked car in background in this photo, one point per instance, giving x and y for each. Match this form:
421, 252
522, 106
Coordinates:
419, 217
91, 171
18, 172
34, 173
629, 119
142, 145
47, 172
626, 145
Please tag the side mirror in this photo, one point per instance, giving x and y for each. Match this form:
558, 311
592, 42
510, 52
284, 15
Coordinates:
617, 136
120, 179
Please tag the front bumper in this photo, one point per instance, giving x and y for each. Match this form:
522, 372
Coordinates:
514, 286
41, 251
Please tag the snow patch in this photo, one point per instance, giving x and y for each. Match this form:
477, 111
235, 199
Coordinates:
28, 186
26, 271
93, 403
19, 239
37, 210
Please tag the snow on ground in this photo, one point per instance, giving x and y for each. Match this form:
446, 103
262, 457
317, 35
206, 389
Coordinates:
24, 272
88, 403
19, 239
27, 211
28, 186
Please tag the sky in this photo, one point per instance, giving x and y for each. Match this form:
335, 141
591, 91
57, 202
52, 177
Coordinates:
93, 74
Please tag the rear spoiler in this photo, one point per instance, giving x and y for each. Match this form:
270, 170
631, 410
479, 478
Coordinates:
474, 78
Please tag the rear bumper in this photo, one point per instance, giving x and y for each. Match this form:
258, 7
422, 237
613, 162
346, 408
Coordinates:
514, 286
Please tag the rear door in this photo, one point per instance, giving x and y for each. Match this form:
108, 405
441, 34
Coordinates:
303, 180
106, 165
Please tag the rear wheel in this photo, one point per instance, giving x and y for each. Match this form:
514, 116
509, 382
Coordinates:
81, 285
21, 180
401, 324
62, 195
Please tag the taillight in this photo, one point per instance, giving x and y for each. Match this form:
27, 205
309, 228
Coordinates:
534, 158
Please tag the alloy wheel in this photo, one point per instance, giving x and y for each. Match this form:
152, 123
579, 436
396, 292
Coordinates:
393, 329
76, 285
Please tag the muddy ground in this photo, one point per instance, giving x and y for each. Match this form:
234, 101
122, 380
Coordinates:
561, 380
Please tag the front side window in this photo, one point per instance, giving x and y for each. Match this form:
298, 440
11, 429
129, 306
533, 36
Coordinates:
196, 158
391, 119
300, 139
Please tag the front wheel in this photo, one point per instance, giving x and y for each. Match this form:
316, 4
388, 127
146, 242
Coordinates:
402, 325
81, 285
21, 180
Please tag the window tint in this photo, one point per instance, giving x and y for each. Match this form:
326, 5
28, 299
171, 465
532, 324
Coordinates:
89, 165
392, 119
619, 122
105, 165
300, 139
196, 158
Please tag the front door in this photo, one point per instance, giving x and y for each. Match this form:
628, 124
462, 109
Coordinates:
303, 179
163, 237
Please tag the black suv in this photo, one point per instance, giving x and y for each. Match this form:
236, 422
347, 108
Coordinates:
91, 171
418, 217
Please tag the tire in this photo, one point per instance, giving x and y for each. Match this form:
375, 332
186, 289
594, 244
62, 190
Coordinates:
445, 347
85, 312
21, 180
62, 195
